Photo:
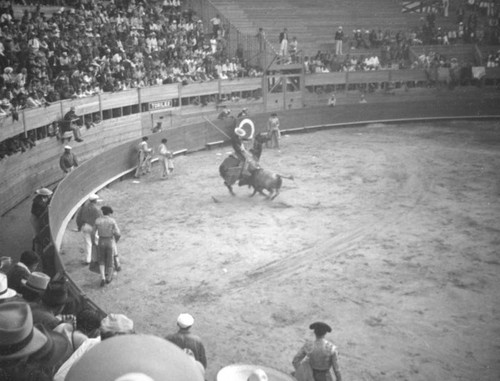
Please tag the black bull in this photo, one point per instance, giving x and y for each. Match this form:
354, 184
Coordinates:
259, 178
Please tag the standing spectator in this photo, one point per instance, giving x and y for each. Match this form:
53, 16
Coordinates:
319, 356
21, 270
184, 339
293, 49
273, 131
109, 235
68, 160
38, 207
144, 158
70, 121
339, 38
283, 38
165, 159
85, 221
216, 23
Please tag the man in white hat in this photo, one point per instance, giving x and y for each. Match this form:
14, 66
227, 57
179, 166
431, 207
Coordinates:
184, 339
38, 207
68, 160
85, 221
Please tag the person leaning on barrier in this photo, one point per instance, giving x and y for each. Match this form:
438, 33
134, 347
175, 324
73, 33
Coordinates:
38, 207
68, 160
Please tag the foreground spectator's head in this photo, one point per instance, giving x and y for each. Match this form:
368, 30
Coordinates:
30, 259
116, 324
135, 358
88, 321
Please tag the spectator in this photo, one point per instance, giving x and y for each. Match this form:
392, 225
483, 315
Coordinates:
34, 286
339, 38
110, 326
6, 293
38, 207
216, 25
28, 346
109, 235
48, 312
28, 262
70, 122
85, 221
320, 356
283, 39
185, 339
68, 160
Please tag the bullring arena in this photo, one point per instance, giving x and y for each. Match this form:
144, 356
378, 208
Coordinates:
388, 231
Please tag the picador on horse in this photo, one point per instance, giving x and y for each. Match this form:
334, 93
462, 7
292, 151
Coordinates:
239, 164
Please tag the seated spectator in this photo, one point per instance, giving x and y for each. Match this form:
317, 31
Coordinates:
28, 262
97, 330
47, 313
34, 287
71, 121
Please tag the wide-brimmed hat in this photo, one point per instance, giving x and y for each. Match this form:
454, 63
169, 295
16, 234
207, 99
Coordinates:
56, 350
18, 337
5, 291
185, 320
44, 192
67, 147
140, 354
37, 282
247, 372
239, 132
56, 294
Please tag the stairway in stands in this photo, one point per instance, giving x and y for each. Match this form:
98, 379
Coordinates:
314, 22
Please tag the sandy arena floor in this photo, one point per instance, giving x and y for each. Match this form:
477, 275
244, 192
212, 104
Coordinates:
389, 233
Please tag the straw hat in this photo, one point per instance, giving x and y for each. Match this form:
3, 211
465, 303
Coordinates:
44, 192
5, 291
185, 320
37, 281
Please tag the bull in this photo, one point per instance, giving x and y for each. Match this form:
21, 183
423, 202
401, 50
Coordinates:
261, 179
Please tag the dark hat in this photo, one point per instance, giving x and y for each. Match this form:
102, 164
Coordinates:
320, 327
56, 294
56, 350
18, 337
